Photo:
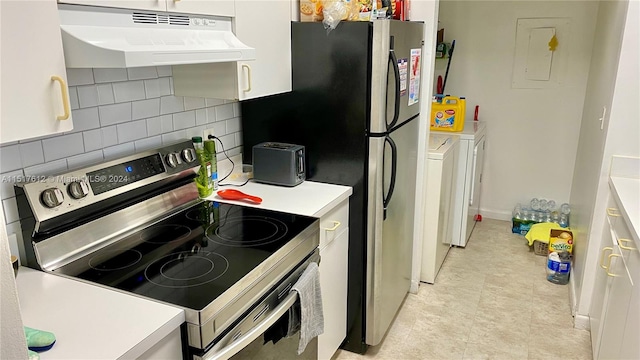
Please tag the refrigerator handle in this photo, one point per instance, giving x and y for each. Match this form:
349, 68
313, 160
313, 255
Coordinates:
393, 60
394, 164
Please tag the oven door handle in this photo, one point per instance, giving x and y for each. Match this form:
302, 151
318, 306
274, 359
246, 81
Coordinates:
255, 332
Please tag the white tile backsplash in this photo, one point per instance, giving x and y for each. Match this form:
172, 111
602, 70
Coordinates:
109, 136
224, 112
10, 158
92, 140
105, 94
233, 125
148, 143
79, 77
6, 185
87, 96
31, 153
128, 91
184, 120
73, 98
191, 103
62, 146
139, 73
201, 117
85, 119
171, 104
117, 151
145, 109
110, 75
48, 168
85, 159
117, 112
164, 70
134, 130
213, 102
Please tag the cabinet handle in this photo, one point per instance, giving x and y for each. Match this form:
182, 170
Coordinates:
609, 265
623, 246
336, 224
245, 66
612, 212
602, 257
65, 97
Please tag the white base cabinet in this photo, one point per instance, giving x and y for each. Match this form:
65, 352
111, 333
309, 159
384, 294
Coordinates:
35, 100
334, 249
615, 307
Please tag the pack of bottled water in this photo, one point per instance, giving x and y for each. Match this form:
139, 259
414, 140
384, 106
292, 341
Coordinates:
537, 211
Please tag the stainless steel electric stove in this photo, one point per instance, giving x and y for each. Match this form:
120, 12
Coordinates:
136, 225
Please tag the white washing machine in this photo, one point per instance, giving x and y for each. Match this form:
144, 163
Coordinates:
469, 181
442, 161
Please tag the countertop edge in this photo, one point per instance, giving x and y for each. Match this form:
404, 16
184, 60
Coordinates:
624, 190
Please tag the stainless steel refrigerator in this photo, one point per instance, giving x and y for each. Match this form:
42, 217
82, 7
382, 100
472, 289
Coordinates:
354, 106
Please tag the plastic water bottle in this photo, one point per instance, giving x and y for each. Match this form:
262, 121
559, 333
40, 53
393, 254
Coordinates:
558, 267
552, 205
565, 209
544, 205
564, 220
535, 204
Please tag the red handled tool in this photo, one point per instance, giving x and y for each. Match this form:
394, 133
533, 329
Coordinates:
231, 194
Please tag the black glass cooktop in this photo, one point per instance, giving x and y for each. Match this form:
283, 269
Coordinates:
191, 258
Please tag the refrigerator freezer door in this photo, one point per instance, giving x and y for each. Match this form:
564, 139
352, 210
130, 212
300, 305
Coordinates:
397, 52
390, 238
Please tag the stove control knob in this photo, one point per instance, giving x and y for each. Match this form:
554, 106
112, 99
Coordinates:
189, 155
173, 160
78, 189
52, 197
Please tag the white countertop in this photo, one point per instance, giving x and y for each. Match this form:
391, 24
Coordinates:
308, 198
89, 321
627, 193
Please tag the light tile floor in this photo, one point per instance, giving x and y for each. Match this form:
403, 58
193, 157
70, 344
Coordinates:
491, 300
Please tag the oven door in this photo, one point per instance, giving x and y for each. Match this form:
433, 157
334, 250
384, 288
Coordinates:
246, 340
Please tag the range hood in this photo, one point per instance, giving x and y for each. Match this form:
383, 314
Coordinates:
95, 37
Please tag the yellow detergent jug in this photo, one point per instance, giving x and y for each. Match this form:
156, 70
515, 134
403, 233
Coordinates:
448, 114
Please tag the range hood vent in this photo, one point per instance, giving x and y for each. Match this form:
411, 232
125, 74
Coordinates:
95, 37
151, 18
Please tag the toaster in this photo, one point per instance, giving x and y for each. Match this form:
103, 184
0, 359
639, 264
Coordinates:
279, 163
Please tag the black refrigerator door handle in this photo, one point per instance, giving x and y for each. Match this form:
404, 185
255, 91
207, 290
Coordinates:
386, 199
393, 60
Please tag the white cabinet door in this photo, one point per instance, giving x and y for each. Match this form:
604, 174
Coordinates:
34, 99
155, 5
334, 254
619, 289
333, 284
208, 7
598, 306
265, 26
262, 25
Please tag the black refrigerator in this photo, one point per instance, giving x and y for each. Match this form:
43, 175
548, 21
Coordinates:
354, 106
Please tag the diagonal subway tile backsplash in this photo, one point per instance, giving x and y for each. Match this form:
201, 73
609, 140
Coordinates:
116, 112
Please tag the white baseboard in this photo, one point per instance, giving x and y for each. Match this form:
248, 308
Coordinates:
580, 321
414, 286
496, 214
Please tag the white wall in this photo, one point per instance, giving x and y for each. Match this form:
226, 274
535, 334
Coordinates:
614, 83
532, 134
116, 112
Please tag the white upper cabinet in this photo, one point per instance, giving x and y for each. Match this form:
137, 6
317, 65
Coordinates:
35, 96
262, 25
209, 7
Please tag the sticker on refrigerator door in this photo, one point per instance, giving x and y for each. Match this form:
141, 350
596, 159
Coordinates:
402, 69
414, 77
